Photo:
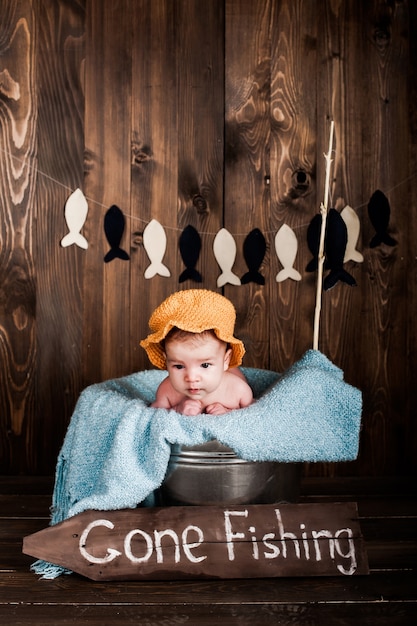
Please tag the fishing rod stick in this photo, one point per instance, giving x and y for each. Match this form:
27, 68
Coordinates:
321, 256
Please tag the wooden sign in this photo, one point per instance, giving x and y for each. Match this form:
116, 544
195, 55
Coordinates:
207, 542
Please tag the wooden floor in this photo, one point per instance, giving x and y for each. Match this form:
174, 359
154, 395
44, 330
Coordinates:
388, 514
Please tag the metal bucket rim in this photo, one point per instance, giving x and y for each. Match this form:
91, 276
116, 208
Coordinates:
203, 459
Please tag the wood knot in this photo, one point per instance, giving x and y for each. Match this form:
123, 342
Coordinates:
89, 160
137, 238
140, 154
20, 317
382, 37
200, 204
300, 183
8, 86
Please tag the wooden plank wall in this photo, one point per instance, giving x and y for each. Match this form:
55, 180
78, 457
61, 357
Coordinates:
212, 114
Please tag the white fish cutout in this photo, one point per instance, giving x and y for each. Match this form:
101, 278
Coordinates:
76, 209
286, 246
224, 248
353, 227
155, 244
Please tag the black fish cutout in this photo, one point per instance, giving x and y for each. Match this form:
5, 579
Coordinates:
114, 226
254, 248
335, 248
190, 247
379, 214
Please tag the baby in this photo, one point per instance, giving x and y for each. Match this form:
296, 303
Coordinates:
193, 340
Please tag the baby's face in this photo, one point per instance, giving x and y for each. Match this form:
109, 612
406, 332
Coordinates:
196, 367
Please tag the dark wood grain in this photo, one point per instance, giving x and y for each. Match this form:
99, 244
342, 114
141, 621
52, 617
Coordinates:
385, 271
17, 265
154, 163
248, 614
24, 587
336, 101
200, 72
247, 134
293, 168
410, 426
108, 66
59, 271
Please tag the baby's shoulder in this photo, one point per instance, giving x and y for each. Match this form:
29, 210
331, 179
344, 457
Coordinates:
166, 390
237, 382
165, 383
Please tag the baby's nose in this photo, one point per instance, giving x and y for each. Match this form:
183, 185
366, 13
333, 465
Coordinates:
192, 374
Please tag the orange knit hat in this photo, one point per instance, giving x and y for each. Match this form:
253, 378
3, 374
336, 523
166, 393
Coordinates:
193, 310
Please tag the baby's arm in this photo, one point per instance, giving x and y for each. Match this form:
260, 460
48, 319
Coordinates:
240, 395
162, 399
247, 396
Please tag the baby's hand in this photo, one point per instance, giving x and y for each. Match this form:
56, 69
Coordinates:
189, 407
216, 409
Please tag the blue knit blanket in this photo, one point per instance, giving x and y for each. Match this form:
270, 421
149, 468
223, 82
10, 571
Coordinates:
117, 448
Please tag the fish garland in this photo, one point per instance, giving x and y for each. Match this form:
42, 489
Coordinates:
342, 234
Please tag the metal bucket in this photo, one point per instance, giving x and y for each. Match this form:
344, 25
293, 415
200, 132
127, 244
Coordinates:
213, 474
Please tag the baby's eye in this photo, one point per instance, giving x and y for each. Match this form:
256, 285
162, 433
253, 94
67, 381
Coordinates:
177, 366
205, 365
